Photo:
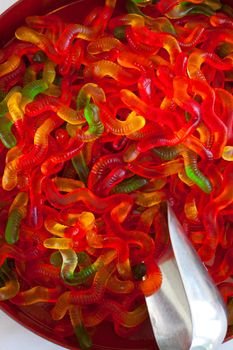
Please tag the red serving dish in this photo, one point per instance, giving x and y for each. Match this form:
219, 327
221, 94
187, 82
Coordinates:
36, 317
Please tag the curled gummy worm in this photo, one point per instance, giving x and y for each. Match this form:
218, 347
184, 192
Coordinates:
192, 171
215, 124
86, 272
10, 65
51, 22
38, 39
129, 185
80, 165
157, 137
50, 165
17, 48
79, 329
93, 202
99, 241
226, 99
83, 275
184, 101
134, 6
149, 199
85, 219
45, 274
49, 72
115, 177
103, 44
54, 227
56, 259
35, 295
30, 159
103, 68
195, 145
30, 75
32, 89
89, 296
135, 45
186, 8
168, 153
17, 212
162, 170
125, 318
70, 115
102, 19
9, 290
165, 40
153, 279
221, 20
149, 130
92, 16
132, 124
74, 31
193, 38
146, 87
190, 208
14, 107
142, 240
137, 104
13, 78
101, 167
3, 105
6, 135
59, 243
69, 263
161, 24
67, 184
146, 218
35, 211
128, 59
198, 57
9, 251
95, 126
181, 64
51, 103
131, 19
228, 153
212, 211
89, 91
53, 90
116, 285
120, 212
10, 286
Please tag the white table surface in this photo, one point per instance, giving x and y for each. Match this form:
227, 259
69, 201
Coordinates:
12, 335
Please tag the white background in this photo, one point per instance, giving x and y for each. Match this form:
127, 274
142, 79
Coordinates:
14, 336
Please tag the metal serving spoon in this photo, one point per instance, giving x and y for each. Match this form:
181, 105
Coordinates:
187, 313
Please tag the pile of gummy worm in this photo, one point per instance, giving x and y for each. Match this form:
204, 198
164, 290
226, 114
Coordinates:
101, 124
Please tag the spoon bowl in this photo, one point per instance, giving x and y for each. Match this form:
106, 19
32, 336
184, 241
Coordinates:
188, 311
